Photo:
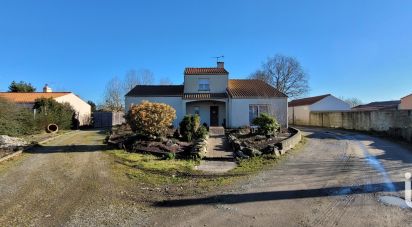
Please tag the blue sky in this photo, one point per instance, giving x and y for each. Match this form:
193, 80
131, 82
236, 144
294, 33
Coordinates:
349, 48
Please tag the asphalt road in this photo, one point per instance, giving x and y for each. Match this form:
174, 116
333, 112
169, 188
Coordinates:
336, 179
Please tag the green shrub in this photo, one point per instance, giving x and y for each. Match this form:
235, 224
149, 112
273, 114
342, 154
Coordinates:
189, 126
201, 132
151, 119
267, 124
16, 120
49, 111
170, 156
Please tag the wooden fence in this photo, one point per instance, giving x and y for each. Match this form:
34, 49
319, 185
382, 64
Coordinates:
107, 119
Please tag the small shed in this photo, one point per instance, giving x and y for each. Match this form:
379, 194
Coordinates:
299, 109
107, 119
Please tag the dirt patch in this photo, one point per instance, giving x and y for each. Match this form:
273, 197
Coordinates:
260, 142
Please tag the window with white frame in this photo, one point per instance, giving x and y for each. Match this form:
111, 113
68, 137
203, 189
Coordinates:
204, 85
197, 110
256, 110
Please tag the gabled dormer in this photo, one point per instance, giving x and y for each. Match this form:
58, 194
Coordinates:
206, 80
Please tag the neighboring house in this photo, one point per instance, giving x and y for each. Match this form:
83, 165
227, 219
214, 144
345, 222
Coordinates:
406, 103
27, 99
383, 105
299, 109
218, 100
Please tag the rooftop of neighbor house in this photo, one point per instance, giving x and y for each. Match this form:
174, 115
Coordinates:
382, 105
410, 95
218, 70
237, 88
30, 97
307, 101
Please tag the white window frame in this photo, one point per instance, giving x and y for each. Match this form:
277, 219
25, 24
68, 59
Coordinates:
258, 110
196, 110
204, 84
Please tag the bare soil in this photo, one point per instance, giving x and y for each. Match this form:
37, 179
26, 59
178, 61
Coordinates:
68, 182
261, 143
6, 151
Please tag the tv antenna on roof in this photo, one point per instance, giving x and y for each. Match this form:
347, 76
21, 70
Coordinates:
218, 58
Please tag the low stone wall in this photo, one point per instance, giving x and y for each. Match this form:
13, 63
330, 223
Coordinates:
199, 148
395, 123
292, 141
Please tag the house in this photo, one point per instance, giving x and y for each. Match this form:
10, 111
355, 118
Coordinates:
27, 99
299, 109
406, 103
382, 105
218, 100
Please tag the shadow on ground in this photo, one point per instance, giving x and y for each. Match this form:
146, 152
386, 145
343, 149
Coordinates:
66, 149
281, 195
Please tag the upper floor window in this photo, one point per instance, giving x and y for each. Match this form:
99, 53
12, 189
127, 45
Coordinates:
204, 85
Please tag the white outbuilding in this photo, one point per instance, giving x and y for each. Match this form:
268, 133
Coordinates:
299, 109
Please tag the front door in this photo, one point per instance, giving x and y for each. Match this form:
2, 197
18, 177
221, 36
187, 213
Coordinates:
214, 116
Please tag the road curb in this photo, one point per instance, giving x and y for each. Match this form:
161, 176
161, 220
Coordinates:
17, 153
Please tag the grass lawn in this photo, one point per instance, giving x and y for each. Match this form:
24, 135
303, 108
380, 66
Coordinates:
179, 177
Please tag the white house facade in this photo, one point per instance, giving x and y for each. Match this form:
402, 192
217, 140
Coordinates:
218, 100
27, 99
299, 109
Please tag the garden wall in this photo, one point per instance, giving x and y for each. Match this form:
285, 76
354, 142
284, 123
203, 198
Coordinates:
396, 123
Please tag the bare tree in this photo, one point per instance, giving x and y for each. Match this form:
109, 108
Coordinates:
133, 78
113, 96
352, 101
284, 73
165, 81
130, 80
146, 77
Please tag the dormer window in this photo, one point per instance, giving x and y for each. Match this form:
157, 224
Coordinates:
204, 85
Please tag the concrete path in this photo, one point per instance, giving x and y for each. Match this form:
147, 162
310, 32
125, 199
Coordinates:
219, 157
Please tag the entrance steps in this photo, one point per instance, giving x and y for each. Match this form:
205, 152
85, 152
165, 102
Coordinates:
216, 131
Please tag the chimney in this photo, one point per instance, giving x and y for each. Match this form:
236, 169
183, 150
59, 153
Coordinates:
46, 88
221, 64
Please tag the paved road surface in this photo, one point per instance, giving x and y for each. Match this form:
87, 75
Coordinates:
335, 180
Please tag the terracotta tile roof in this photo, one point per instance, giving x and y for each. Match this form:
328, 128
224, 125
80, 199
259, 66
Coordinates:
156, 90
252, 88
206, 71
30, 97
204, 96
406, 96
384, 105
307, 101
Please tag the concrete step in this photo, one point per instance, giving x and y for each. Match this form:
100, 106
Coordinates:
216, 131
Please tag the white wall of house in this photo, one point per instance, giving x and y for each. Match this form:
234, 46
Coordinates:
239, 110
217, 83
175, 102
330, 103
204, 110
299, 115
82, 108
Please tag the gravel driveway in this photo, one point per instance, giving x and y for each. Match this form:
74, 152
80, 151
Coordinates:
67, 182
335, 180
